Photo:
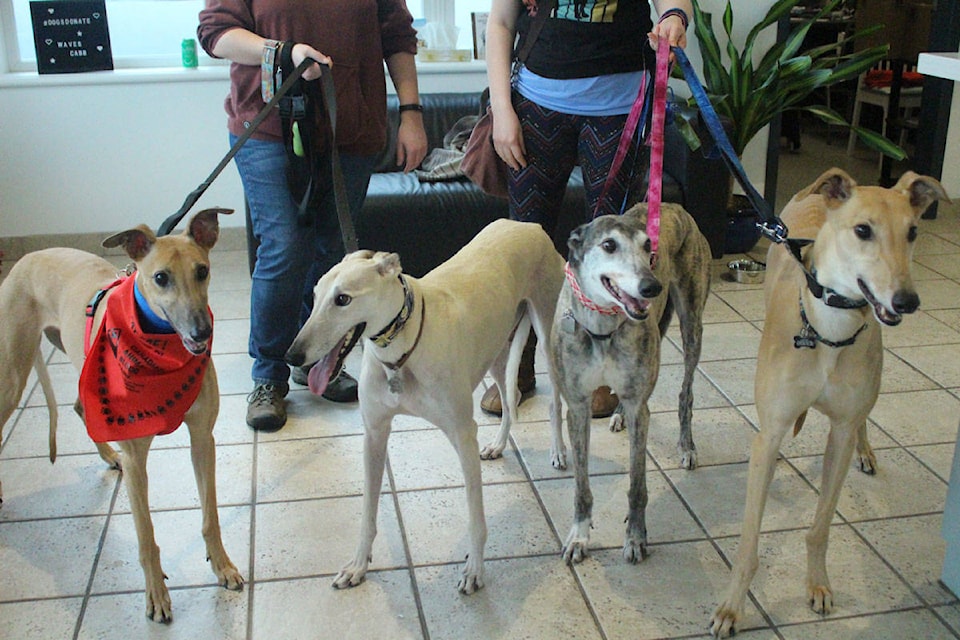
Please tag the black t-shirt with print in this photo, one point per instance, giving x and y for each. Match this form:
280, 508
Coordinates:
585, 38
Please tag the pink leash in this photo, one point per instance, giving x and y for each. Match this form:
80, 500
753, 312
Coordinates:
655, 182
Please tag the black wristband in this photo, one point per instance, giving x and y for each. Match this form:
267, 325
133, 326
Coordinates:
410, 107
680, 13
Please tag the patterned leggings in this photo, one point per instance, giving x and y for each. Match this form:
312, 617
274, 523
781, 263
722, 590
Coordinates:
555, 143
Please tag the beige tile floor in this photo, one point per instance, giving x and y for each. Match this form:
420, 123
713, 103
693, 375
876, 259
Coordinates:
290, 501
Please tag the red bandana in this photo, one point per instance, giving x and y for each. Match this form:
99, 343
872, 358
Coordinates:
134, 384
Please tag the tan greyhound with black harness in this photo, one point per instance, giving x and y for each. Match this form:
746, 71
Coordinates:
821, 348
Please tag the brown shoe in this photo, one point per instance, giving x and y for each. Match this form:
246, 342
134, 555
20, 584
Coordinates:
603, 403
526, 380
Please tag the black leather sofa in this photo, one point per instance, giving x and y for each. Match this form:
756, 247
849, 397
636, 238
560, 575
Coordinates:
427, 222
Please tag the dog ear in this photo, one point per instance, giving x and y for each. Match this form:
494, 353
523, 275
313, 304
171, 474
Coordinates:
388, 264
204, 228
575, 243
922, 191
835, 185
360, 254
137, 242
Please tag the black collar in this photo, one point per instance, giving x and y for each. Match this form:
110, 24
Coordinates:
829, 297
809, 337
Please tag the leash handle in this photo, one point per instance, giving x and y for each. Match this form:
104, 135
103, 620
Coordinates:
655, 179
339, 189
770, 225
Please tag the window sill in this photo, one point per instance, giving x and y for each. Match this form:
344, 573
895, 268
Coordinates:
433, 76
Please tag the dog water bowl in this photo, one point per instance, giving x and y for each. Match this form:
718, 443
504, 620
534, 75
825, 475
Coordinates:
747, 271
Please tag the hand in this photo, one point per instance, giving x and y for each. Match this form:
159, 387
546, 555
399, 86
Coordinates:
508, 139
673, 30
301, 52
411, 141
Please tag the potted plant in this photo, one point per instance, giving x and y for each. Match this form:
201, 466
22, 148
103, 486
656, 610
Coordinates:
749, 95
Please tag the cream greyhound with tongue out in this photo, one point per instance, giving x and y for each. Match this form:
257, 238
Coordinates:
611, 317
821, 348
429, 342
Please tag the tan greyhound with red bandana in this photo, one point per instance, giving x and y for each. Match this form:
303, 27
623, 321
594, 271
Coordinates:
53, 291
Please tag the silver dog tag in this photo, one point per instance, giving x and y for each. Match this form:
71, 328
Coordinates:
567, 323
395, 384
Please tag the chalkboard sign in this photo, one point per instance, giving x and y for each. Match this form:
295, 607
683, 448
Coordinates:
71, 36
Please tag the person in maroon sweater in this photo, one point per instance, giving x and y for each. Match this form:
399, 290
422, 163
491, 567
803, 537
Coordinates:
355, 37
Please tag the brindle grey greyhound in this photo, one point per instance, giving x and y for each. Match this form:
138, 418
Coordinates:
48, 292
610, 320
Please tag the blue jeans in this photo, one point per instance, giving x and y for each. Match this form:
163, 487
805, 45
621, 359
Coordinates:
290, 258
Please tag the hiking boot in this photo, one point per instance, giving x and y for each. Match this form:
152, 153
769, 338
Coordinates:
266, 408
526, 380
299, 374
603, 403
342, 388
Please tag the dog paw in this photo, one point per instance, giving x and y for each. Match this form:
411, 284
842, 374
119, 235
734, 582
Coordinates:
821, 599
616, 422
688, 459
159, 608
867, 463
491, 451
471, 578
229, 577
635, 551
469, 583
723, 624
558, 461
350, 576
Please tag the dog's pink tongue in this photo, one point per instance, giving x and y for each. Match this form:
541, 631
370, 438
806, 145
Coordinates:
319, 375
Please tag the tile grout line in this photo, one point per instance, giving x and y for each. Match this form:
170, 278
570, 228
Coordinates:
411, 569
594, 615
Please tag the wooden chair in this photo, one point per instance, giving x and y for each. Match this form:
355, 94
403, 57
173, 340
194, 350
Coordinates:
909, 97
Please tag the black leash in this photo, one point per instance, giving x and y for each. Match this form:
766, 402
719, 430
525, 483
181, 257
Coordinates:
339, 189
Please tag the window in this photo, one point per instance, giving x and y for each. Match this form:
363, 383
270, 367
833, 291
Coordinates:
148, 33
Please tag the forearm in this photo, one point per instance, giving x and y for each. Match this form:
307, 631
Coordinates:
403, 73
240, 46
501, 31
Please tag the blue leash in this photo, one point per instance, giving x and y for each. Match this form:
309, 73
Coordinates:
770, 225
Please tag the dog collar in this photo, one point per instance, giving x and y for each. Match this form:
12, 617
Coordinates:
808, 337
149, 319
584, 300
392, 330
829, 297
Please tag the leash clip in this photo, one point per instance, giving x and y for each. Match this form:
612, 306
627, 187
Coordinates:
774, 229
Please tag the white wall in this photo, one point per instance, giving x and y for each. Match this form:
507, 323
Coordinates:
950, 176
93, 153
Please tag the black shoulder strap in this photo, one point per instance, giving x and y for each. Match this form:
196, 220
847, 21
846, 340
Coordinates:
543, 12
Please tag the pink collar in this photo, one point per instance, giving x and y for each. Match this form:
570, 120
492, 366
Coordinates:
584, 300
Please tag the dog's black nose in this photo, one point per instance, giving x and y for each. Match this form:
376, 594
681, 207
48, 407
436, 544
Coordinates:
202, 334
650, 289
906, 301
294, 358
